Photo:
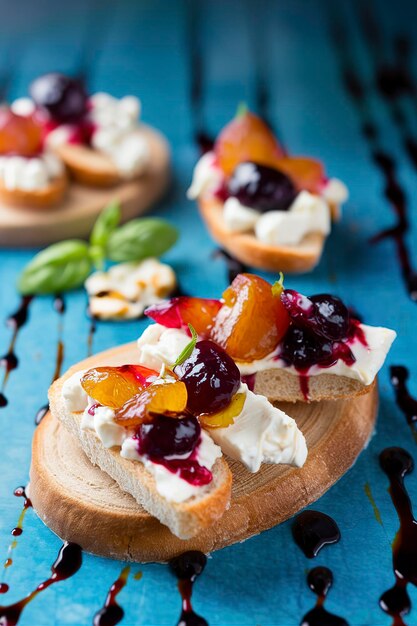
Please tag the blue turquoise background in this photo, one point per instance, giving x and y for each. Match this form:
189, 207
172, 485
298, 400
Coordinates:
277, 56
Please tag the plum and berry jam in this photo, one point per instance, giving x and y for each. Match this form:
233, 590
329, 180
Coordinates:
173, 443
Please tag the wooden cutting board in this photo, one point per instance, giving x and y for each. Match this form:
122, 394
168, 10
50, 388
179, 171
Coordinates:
75, 216
336, 432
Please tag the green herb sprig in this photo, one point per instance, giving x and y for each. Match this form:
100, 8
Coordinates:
66, 265
186, 353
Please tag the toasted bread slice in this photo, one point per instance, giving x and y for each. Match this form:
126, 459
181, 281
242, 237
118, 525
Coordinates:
96, 169
249, 250
280, 385
37, 199
184, 519
81, 503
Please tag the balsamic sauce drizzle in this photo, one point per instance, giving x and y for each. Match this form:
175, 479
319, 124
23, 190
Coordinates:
393, 78
405, 401
383, 160
60, 307
187, 567
397, 463
234, 267
112, 613
67, 563
19, 492
320, 580
10, 361
312, 530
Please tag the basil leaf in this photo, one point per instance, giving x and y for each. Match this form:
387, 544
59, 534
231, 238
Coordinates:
60, 267
186, 353
141, 238
106, 223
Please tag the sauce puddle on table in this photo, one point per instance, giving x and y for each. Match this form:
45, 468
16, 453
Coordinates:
320, 581
60, 308
187, 567
67, 563
10, 361
312, 530
397, 463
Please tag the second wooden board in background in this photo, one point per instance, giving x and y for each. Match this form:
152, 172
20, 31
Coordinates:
22, 227
64, 480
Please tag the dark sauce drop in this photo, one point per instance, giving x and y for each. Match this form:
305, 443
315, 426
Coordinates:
10, 361
405, 401
320, 580
234, 267
66, 565
112, 613
397, 463
312, 530
187, 567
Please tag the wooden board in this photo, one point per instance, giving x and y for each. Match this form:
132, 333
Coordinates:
336, 432
23, 227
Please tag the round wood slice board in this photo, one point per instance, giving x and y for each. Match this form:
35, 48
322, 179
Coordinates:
75, 216
63, 479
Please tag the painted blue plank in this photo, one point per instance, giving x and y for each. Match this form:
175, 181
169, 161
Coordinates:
143, 48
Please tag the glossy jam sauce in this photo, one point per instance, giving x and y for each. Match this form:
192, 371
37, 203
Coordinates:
67, 564
312, 530
10, 361
165, 437
320, 581
321, 332
112, 613
186, 568
397, 463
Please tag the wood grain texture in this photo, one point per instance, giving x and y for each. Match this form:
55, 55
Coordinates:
81, 503
75, 216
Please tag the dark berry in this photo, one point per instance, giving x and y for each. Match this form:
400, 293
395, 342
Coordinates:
189, 565
261, 187
168, 436
323, 314
331, 317
211, 377
63, 97
303, 349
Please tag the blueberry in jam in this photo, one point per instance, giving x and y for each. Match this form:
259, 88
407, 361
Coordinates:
331, 317
323, 314
262, 188
211, 377
302, 348
63, 97
166, 436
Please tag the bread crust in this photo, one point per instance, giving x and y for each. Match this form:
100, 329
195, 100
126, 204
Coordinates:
94, 168
280, 385
37, 199
249, 250
184, 519
81, 503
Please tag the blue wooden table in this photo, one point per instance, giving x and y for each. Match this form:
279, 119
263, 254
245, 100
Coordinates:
191, 63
